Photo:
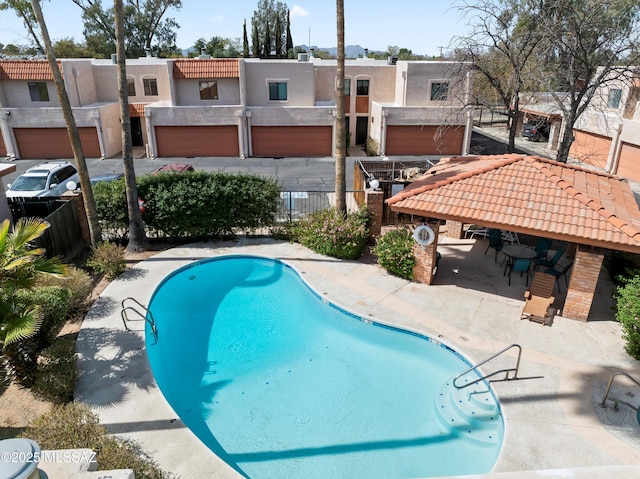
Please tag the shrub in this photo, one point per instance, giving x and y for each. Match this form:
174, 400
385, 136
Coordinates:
74, 426
394, 250
331, 233
111, 204
54, 302
628, 313
108, 259
56, 375
77, 281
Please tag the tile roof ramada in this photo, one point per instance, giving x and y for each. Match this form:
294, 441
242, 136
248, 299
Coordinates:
197, 68
528, 194
33, 70
136, 109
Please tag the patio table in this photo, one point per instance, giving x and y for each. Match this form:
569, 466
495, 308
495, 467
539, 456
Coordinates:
516, 251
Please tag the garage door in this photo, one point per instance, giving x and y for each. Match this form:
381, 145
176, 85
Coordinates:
629, 164
53, 143
590, 148
190, 141
424, 140
287, 141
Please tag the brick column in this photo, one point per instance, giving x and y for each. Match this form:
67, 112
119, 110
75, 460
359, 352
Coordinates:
584, 279
454, 229
425, 258
78, 201
374, 201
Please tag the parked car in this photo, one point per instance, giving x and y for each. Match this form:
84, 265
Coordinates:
106, 177
174, 168
46, 179
536, 130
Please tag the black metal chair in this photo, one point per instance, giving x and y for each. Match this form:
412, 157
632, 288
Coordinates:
561, 272
495, 242
542, 247
549, 263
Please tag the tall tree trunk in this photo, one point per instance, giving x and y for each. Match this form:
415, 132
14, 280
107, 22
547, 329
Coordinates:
137, 236
72, 130
341, 137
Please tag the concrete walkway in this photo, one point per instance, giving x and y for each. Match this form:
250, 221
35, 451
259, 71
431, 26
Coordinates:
552, 416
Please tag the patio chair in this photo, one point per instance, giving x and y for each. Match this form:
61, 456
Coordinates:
538, 298
495, 242
549, 263
520, 265
559, 273
542, 247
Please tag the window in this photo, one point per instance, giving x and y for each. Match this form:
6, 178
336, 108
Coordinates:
131, 87
150, 86
362, 88
277, 91
614, 98
208, 90
439, 91
347, 87
38, 91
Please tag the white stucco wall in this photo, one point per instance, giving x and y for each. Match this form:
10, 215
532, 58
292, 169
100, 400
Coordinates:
188, 92
291, 116
298, 76
79, 81
168, 115
16, 95
106, 80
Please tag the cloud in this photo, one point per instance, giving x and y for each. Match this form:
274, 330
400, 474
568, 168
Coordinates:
298, 11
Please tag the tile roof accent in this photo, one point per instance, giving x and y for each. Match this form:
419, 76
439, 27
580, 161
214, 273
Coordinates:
197, 68
34, 70
528, 194
136, 109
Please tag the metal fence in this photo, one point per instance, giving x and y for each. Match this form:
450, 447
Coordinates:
298, 204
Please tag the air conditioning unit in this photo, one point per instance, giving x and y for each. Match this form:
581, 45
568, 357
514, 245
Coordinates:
303, 57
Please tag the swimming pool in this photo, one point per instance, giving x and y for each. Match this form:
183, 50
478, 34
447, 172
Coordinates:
278, 382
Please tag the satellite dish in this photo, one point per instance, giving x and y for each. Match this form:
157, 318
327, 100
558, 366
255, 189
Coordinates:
424, 235
71, 185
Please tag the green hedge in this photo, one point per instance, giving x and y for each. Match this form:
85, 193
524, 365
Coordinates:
394, 250
628, 313
198, 205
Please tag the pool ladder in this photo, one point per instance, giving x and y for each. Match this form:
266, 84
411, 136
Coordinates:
147, 317
617, 401
513, 370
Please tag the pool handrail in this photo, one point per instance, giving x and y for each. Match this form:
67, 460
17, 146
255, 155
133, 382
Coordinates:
615, 400
148, 317
487, 376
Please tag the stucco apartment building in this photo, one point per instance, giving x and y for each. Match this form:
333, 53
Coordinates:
236, 107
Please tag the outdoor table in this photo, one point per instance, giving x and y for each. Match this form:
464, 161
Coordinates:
516, 251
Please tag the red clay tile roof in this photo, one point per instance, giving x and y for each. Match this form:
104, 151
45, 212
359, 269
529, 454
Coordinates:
34, 70
136, 109
195, 68
530, 195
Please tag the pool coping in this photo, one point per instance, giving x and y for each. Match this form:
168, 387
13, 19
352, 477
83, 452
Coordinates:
547, 424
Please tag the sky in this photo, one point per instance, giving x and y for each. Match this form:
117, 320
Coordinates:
422, 26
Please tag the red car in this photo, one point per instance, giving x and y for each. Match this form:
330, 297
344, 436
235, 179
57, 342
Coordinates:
174, 168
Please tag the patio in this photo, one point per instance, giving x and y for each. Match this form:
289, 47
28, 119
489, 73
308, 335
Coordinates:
553, 418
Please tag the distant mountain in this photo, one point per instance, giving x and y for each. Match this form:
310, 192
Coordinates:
350, 51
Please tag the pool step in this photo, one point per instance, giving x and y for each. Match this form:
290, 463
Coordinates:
471, 412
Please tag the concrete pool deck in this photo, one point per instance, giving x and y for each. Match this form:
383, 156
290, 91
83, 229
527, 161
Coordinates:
552, 415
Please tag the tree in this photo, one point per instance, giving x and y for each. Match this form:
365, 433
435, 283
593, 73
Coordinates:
245, 41
341, 135
145, 29
137, 235
255, 41
500, 48
20, 264
68, 48
22, 9
289, 40
218, 47
587, 45
72, 129
264, 23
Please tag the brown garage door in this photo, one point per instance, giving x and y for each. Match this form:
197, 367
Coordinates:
3, 149
590, 148
53, 143
424, 140
629, 164
276, 141
197, 141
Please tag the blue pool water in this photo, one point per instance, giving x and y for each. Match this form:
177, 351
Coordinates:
280, 383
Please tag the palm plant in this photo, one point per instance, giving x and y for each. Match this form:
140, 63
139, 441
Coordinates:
20, 263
